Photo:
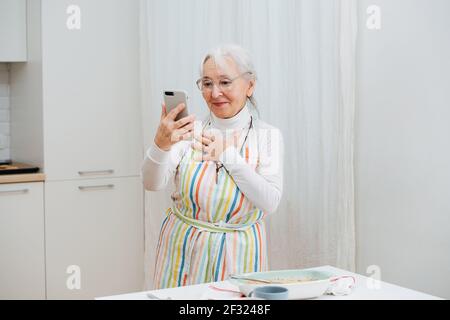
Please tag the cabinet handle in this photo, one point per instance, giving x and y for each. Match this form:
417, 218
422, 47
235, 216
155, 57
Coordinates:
86, 188
15, 191
99, 172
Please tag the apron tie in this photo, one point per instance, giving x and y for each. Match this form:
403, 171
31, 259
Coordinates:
204, 226
221, 227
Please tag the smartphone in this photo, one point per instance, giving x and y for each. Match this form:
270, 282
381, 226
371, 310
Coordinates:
173, 98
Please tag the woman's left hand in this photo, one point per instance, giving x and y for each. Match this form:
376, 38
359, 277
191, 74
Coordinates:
210, 145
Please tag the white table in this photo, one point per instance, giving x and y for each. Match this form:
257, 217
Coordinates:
364, 290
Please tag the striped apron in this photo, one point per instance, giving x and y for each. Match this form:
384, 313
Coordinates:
212, 230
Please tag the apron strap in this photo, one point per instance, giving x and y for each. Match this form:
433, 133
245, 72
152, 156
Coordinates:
221, 227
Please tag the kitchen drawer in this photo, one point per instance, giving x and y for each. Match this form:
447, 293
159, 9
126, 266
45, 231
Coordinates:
94, 237
22, 253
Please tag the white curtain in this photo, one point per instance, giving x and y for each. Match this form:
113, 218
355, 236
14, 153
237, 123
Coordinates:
304, 53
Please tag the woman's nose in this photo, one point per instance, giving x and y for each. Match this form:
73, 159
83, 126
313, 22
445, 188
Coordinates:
216, 92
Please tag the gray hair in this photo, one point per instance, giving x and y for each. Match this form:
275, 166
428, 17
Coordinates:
239, 55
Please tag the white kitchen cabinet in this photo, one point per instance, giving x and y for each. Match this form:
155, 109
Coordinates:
94, 227
85, 82
91, 89
75, 113
22, 254
13, 30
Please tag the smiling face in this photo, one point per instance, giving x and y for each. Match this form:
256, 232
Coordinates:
226, 103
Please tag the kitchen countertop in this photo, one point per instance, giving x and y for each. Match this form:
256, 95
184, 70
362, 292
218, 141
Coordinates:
20, 178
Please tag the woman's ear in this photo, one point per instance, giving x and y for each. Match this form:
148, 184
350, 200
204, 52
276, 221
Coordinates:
251, 88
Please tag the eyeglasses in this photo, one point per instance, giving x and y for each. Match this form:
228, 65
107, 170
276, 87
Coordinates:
207, 85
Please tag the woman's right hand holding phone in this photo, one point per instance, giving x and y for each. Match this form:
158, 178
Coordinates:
170, 131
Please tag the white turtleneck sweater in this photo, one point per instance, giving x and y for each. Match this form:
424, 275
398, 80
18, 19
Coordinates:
262, 185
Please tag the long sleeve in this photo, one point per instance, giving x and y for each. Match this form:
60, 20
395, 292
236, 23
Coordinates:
264, 186
159, 166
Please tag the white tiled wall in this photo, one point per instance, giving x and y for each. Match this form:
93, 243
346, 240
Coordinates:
4, 112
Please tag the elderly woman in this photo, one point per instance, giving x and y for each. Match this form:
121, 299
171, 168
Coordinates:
228, 177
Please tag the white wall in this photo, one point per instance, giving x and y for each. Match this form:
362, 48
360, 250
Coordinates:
4, 112
403, 144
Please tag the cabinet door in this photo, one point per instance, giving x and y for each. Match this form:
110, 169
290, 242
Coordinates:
22, 255
13, 31
92, 121
94, 238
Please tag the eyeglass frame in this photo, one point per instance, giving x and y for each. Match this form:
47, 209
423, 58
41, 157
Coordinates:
198, 82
